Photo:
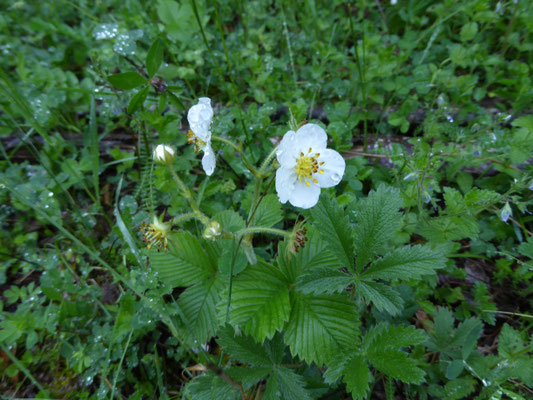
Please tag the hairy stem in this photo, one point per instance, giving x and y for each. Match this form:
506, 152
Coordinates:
238, 149
187, 194
262, 229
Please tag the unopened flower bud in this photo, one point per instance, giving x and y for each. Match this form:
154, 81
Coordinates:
212, 231
164, 154
506, 212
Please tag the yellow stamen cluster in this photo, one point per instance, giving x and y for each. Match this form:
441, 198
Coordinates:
193, 139
307, 165
155, 234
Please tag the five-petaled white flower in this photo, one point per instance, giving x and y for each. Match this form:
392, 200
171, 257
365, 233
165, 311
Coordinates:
306, 165
200, 117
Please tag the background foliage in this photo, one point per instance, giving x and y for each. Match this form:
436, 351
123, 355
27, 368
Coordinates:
415, 282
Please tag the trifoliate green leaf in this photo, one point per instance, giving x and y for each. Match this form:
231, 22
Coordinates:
291, 385
445, 338
396, 364
230, 220
406, 263
509, 342
323, 280
355, 372
335, 230
260, 301
357, 376
248, 376
314, 254
377, 218
269, 211
385, 335
211, 387
321, 326
198, 304
185, 263
242, 347
382, 296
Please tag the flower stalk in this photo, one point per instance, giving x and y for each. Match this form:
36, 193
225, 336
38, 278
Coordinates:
267, 161
262, 229
198, 214
238, 149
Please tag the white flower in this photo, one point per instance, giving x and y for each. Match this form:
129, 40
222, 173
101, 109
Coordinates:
393, 2
200, 116
306, 166
164, 154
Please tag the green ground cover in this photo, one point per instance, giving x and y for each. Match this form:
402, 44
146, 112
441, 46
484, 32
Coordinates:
409, 278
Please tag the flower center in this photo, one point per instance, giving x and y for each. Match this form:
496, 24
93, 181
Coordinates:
155, 234
199, 144
307, 165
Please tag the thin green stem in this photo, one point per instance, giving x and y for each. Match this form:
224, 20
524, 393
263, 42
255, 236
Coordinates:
257, 189
230, 286
187, 194
120, 365
262, 229
238, 149
269, 158
184, 190
182, 218
508, 313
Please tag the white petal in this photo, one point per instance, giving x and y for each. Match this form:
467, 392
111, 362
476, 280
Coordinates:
160, 152
333, 168
200, 117
288, 150
304, 196
208, 160
285, 181
313, 136
163, 153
